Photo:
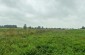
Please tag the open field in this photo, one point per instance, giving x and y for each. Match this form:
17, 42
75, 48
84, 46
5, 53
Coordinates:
42, 42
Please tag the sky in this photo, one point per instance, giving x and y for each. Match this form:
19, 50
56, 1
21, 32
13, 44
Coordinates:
47, 13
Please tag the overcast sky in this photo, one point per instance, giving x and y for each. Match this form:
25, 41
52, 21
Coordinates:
47, 13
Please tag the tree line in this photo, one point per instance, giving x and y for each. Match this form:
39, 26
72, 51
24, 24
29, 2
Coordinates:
8, 26
25, 27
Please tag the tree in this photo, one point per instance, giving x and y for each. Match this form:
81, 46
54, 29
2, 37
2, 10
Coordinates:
10, 26
83, 27
25, 26
42, 27
29, 27
38, 27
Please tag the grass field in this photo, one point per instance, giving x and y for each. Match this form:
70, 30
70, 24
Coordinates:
42, 42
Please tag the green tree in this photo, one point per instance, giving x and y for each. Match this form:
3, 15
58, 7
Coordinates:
83, 27
25, 26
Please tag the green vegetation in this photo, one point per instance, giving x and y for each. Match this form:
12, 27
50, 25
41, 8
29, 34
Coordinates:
42, 42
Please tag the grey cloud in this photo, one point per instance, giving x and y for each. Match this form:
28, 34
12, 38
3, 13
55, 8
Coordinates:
51, 8
40, 12
11, 3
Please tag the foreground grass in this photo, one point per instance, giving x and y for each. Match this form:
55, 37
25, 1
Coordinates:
42, 42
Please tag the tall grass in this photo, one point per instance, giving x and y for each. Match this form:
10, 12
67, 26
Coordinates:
42, 42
